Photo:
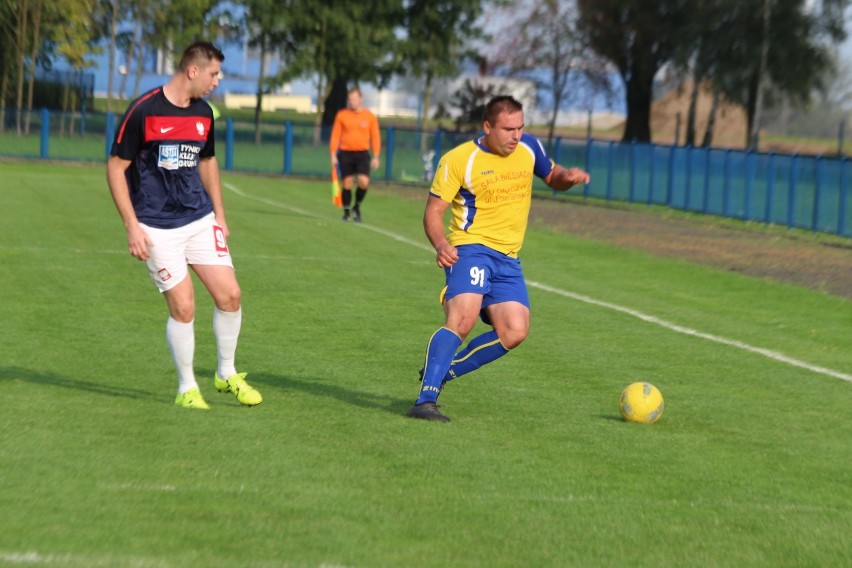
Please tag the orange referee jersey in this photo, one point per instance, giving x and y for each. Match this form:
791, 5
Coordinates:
355, 132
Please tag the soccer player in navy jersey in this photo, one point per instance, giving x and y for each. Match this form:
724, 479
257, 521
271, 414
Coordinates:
164, 178
487, 183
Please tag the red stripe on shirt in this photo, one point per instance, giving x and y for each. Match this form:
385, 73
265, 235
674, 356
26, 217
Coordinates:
127, 116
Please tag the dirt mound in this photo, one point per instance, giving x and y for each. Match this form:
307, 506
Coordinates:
730, 126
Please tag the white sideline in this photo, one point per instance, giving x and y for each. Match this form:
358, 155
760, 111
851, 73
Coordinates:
774, 355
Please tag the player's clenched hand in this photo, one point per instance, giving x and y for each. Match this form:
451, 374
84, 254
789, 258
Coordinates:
574, 176
138, 242
447, 255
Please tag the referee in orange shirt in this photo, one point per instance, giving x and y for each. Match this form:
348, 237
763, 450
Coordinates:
354, 136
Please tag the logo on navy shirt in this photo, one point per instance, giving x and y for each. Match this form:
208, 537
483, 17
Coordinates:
174, 156
169, 156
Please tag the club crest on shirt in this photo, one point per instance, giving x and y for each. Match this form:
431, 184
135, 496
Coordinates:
200, 127
169, 155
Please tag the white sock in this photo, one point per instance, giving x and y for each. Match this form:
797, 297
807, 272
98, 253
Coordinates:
181, 340
226, 328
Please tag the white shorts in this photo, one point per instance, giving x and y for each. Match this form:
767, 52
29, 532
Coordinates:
201, 242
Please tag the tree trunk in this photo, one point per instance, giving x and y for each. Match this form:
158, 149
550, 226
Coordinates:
551, 124
258, 103
66, 97
335, 101
20, 47
37, 8
111, 47
129, 57
427, 99
140, 55
751, 107
693, 109
639, 94
72, 118
140, 67
711, 122
4, 87
321, 95
754, 120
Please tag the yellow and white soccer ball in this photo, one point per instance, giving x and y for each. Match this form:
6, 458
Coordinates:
641, 402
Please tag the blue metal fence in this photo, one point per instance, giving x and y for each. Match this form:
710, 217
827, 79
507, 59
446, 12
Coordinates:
808, 192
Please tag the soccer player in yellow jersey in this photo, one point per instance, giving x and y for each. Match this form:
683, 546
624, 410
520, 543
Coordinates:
487, 184
355, 147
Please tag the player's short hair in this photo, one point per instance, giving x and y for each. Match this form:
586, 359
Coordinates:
500, 104
199, 53
355, 89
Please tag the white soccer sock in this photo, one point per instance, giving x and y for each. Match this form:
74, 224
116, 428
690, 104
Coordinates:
181, 340
226, 328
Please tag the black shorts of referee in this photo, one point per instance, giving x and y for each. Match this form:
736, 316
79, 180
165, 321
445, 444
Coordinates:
353, 162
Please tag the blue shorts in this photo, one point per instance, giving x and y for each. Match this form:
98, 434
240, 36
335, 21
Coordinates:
482, 270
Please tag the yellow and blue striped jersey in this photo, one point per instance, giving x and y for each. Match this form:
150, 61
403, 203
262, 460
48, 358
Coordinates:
490, 194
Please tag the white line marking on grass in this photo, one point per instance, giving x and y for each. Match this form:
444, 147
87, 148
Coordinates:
336, 259
52, 250
22, 557
130, 486
774, 355
33, 558
274, 203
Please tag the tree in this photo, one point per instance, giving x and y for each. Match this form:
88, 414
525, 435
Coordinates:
113, 12
72, 33
703, 60
763, 52
471, 99
6, 57
545, 46
106, 20
19, 26
266, 27
437, 33
171, 25
638, 37
138, 11
36, 8
179, 23
783, 50
342, 44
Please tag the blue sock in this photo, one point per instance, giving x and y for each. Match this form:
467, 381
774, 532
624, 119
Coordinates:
481, 350
439, 356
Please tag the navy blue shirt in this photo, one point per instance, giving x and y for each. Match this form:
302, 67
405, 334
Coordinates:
165, 143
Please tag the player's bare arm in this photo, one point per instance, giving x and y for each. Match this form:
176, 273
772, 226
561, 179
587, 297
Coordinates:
562, 179
433, 223
137, 240
208, 169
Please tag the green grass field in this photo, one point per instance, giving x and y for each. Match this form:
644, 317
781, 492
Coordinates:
751, 464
